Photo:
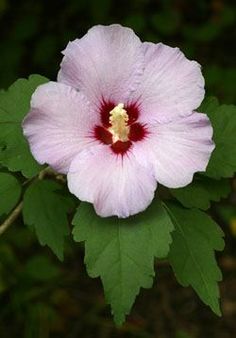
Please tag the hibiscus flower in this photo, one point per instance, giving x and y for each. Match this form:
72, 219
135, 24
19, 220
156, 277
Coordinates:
120, 118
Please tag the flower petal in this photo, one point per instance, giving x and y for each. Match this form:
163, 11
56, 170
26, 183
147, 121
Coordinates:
58, 125
172, 85
106, 63
116, 185
178, 149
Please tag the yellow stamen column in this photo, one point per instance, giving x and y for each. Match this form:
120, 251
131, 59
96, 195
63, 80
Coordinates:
119, 123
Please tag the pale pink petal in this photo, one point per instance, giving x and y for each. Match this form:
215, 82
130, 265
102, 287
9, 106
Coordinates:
116, 185
177, 149
58, 125
172, 85
106, 63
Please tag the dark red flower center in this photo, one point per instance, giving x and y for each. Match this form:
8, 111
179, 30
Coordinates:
117, 130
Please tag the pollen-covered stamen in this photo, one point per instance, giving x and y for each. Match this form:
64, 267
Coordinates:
119, 123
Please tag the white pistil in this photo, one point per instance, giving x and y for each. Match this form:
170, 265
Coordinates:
119, 123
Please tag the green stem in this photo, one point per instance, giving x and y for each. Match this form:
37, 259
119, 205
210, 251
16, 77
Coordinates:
16, 212
11, 218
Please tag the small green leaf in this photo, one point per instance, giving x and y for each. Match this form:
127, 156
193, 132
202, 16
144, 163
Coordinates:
10, 191
223, 119
45, 209
201, 192
192, 253
121, 251
14, 105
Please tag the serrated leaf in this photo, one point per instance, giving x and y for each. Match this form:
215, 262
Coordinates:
10, 191
201, 192
192, 255
223, 119
121, 251
14, 105
45, 209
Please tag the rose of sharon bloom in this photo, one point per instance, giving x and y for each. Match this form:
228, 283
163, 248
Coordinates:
120, 118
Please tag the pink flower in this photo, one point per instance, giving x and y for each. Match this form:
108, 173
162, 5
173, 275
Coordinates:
120, 119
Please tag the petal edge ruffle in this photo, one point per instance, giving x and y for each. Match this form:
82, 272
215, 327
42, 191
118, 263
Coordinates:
106, 63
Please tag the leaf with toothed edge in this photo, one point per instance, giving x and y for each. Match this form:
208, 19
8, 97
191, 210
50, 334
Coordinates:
14, 105
121, 251
201, 192
223, 119
45, 210
192, 252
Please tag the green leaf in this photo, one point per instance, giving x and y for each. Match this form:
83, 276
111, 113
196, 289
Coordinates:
223, 119
201, 192
14, 105
121, 251
45, 209
10, 191
192, 253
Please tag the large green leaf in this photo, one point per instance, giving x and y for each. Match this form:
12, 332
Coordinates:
14, 105
45, 209
223, 119
121, 251
192, 255
10, 190
201, 192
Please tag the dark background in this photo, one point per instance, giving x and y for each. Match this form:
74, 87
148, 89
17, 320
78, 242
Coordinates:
41, 297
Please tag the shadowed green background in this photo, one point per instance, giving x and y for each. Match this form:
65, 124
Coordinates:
34, 32
40, 297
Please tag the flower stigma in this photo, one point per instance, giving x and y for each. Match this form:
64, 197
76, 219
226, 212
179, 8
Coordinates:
119, 123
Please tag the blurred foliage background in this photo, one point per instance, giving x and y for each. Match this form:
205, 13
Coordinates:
41, 297
34, 32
